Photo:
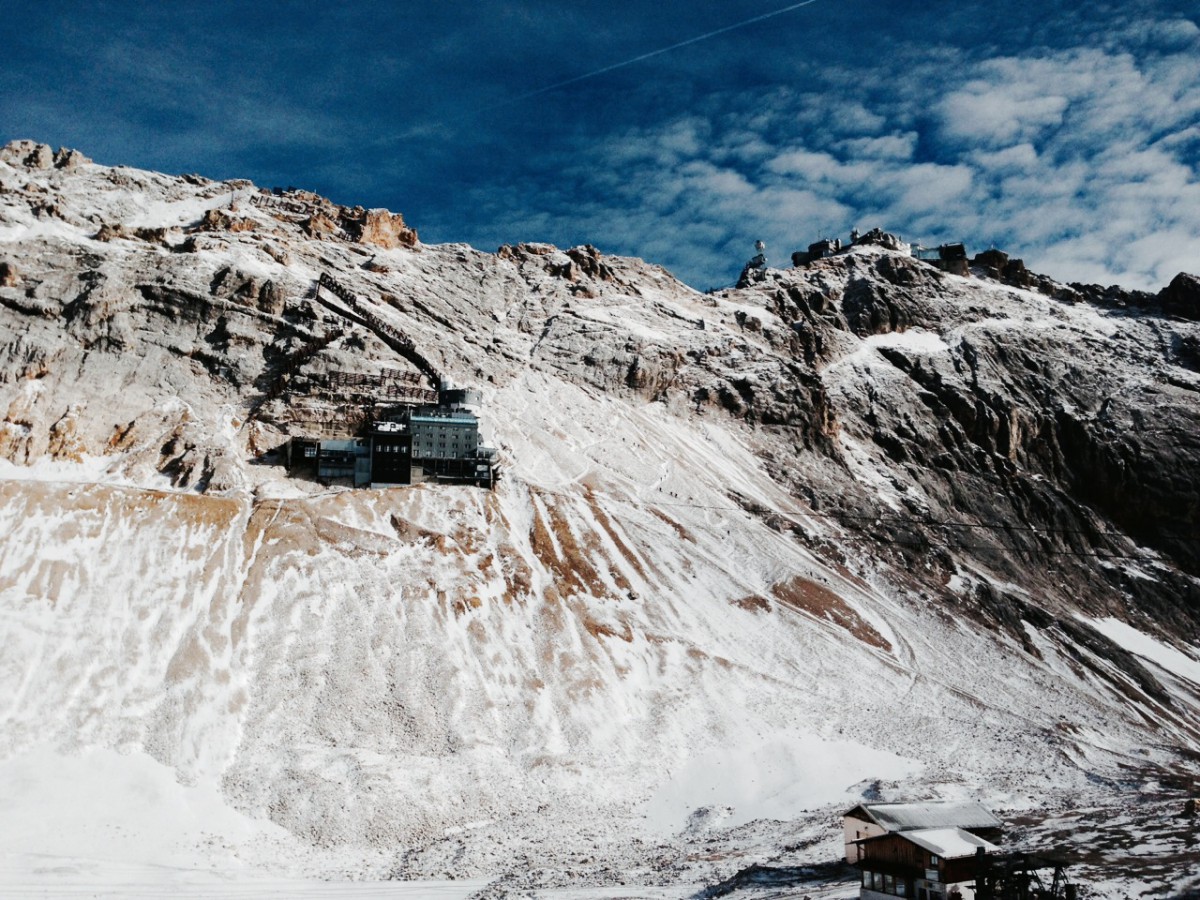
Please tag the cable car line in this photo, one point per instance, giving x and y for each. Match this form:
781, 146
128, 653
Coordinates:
881, 520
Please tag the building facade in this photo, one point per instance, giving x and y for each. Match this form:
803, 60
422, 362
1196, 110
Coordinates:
928, 864
429, 443
440, 432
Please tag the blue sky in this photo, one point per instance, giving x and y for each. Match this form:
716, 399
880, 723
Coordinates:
1065, 133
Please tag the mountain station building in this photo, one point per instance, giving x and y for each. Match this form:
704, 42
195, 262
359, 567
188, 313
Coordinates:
919, 851
425, 443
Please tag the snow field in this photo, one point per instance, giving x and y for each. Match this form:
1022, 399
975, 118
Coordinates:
424, 667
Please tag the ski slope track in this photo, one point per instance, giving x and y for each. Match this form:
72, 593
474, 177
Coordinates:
860, 529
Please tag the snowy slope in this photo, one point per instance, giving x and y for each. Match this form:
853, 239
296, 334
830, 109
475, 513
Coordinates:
704, 598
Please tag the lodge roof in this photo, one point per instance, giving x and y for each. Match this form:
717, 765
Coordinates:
929, 815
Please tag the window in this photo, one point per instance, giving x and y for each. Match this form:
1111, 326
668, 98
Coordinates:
868, 879
933, 860
889, 884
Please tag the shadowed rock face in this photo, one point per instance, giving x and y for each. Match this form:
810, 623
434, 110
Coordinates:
953, 477
1182, 297
1065, 441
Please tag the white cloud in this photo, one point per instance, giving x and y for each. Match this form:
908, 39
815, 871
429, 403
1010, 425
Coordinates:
999, 115
891, 146
1015, 158
684, 138
1082, 160
716, 181
1172, 35
815, 167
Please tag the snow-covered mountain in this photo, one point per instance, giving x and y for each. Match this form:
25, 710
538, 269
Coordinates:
861, 528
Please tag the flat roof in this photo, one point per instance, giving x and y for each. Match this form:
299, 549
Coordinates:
949, 843
465, 418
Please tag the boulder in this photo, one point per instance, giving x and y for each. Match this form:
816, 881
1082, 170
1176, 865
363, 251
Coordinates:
111, 231
1182, 297
991, 259
385, 229
222, 220
9, 276
239, 287
28, 153
319, 225
588, 260
66, 158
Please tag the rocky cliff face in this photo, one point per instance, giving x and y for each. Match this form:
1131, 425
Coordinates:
947, 521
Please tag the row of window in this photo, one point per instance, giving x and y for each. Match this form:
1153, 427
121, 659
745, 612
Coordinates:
885, 884
898, 887
442, 432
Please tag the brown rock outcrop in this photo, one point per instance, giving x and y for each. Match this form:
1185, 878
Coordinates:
588, 259
523, 251
999, 265
379, 227
112, 231
319, 225
65, 441
222, 220
41, 156
28, 153
66, 158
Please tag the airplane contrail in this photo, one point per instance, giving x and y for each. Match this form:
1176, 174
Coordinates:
644, 56
426, 130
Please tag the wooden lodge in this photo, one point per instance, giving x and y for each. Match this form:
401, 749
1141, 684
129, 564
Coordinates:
928, 864
945, 851
868, 820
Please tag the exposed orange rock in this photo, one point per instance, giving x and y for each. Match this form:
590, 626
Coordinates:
386, 229
818, 600
319, 225
222, 220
